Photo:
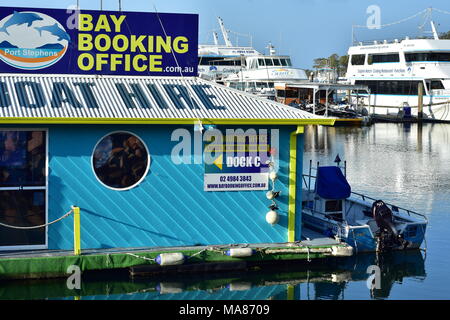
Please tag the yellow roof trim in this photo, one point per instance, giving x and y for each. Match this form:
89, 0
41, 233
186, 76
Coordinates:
36, 120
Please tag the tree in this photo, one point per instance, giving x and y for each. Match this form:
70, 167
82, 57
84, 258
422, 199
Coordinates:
445, 35
339, 63
320, 63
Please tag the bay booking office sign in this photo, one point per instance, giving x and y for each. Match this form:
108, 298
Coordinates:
58, 41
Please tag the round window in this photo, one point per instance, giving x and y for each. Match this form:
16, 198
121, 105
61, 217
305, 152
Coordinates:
120, 160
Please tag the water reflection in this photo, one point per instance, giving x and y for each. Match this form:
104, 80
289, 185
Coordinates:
398, 161
403, 164
325, 280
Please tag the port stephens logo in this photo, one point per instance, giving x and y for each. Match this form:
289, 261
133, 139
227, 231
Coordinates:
32, 40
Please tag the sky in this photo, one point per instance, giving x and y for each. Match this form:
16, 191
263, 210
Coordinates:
303, 29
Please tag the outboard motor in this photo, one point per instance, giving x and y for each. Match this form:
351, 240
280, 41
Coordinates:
388, 237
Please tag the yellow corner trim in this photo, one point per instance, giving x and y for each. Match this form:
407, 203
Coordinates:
292, 181
76, 231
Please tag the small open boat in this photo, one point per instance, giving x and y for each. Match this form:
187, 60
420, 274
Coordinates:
368, 225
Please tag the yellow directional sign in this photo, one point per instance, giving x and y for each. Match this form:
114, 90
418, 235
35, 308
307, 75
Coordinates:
219, 162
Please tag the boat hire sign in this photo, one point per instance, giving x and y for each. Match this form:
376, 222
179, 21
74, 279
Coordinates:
97, 42
238, 160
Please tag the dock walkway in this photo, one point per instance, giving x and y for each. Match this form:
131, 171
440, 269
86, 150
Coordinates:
55, 263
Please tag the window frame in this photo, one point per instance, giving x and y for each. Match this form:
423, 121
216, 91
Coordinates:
45, 188
146, 169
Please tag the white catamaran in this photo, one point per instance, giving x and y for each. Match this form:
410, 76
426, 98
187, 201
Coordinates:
393, 70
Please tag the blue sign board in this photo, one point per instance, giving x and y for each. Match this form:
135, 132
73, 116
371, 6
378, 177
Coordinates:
238, 161
98, 42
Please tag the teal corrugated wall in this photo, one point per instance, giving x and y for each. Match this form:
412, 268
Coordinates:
169, 208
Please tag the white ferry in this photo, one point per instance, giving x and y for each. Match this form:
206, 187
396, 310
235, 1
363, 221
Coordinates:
216, 61
393, 70
262, 72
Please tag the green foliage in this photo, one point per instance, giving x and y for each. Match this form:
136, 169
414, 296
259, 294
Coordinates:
339, 63
445, 35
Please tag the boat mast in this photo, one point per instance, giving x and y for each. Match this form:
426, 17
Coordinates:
224, 33
433, 29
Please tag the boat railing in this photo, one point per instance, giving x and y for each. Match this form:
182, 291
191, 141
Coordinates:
357, 43
365, 197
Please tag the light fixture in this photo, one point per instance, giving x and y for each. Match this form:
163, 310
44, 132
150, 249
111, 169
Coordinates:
273, 175
272, 194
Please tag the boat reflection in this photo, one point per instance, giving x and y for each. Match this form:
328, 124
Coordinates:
327, 279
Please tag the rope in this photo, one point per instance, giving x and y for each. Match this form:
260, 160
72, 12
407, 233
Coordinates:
196, 254
140, 257
188, 88
441, 11
39, 226
396, 22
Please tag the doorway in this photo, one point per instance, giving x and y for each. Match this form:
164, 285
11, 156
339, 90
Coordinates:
23, 188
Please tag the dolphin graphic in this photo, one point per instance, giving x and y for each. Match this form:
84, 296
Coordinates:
54, 30
19, 18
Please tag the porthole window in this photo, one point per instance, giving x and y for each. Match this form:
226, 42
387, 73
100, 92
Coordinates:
120, 160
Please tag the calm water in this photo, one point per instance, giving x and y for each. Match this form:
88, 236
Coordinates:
403, 164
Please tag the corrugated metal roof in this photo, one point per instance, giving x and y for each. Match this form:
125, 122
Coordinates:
115, 98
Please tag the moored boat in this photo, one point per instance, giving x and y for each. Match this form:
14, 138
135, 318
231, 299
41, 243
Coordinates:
367, 224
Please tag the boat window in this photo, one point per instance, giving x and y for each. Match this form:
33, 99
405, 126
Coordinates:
428, 56
276, 62
289, 63
333, 205
435, 85
383, 58
397, 87
358, 59
261, 85
120, 160
269, 62
251, 85
283, 62
261, 62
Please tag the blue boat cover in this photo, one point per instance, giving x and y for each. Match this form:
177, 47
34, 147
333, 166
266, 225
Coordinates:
331, 183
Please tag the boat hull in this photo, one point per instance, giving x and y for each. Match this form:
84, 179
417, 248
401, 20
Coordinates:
361, 238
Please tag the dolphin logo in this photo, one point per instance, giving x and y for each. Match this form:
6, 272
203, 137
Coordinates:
54, 30
19, 18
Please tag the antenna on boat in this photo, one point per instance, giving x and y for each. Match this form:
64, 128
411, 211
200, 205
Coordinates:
224, 33
216, 38
271, 48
